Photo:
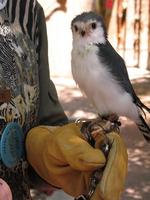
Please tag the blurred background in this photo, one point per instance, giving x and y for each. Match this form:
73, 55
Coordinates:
128, 26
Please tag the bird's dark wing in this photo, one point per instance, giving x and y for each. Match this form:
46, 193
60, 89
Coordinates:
116, 66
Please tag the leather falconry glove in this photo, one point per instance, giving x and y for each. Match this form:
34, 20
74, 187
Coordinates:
63, 158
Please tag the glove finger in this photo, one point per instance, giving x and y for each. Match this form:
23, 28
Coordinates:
69, 146
113, 179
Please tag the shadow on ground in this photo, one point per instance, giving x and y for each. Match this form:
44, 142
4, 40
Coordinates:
138, 180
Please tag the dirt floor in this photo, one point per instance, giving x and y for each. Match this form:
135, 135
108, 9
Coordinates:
76, 106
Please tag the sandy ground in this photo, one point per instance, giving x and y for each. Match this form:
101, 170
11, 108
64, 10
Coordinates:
75, 105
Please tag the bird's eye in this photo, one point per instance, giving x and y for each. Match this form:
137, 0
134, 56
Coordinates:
75, 28
93, 25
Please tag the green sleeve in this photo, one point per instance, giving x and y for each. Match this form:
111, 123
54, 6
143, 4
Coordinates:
50, 110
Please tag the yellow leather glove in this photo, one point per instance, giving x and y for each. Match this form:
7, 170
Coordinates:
113, 179
62, 157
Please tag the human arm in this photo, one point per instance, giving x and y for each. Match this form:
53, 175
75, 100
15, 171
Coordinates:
50, 110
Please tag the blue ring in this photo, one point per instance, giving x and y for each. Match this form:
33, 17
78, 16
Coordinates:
12, 144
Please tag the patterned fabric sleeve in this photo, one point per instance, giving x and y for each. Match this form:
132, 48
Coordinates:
25, 12
18, 34
30, 17
23, 43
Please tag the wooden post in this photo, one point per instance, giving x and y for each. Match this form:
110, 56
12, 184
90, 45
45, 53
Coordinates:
144, 35
148, 62
129, 31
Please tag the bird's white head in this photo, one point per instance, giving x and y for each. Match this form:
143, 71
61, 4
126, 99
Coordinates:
88, 28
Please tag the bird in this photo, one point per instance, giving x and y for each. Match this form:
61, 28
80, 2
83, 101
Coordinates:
101, 73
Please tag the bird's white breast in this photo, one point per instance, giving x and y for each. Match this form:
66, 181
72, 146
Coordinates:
98, 84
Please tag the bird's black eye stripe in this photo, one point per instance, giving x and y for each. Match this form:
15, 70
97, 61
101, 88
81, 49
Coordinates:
76, 28
93, 25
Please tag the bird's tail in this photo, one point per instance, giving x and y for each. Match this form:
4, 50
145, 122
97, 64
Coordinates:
142, 106
144, 128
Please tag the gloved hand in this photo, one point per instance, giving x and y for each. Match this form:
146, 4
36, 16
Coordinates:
62, 157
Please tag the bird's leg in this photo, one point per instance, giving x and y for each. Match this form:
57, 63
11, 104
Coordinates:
113, 117
112, 122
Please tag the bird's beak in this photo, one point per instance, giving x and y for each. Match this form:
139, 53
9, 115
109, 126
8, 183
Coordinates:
82, 33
